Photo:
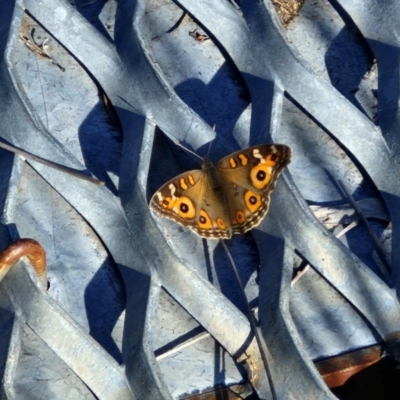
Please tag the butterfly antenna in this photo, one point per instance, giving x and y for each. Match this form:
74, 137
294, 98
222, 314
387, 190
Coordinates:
209, 145
252, 321
188, 150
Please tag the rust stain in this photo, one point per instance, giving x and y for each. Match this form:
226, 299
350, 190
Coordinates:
224, 393
111, 110
29, 248
287, 10
337, 370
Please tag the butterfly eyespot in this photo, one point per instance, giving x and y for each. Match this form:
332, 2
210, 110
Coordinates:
221, 223
166, 202
240, 217
184, 207
252, 200
204, 220
272, 159
260, 175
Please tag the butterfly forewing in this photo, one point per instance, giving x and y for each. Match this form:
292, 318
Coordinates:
189, 200
248, 177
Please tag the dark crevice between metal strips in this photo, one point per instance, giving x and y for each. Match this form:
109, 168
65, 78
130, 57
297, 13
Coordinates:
252, 322
50, 164
378, 245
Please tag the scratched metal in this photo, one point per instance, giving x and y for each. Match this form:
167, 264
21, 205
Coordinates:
106, 251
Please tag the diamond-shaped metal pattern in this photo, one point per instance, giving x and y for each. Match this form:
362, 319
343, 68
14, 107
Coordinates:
138, 307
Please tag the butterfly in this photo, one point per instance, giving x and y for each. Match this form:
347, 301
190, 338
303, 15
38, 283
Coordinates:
229, 197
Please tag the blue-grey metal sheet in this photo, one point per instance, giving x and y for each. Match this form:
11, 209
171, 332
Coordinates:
106, 252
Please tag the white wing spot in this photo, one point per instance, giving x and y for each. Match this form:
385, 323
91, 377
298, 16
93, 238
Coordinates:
256, 154
172, 188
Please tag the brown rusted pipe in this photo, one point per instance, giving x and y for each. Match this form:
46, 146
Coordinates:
24, 247
337, 370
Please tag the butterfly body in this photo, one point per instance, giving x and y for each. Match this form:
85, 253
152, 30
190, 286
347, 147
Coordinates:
229, 197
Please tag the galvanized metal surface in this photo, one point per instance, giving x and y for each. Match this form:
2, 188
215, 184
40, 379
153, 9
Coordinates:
107, 253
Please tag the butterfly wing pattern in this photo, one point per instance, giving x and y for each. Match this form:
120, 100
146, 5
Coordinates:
231, 197
248, 177
189, 200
